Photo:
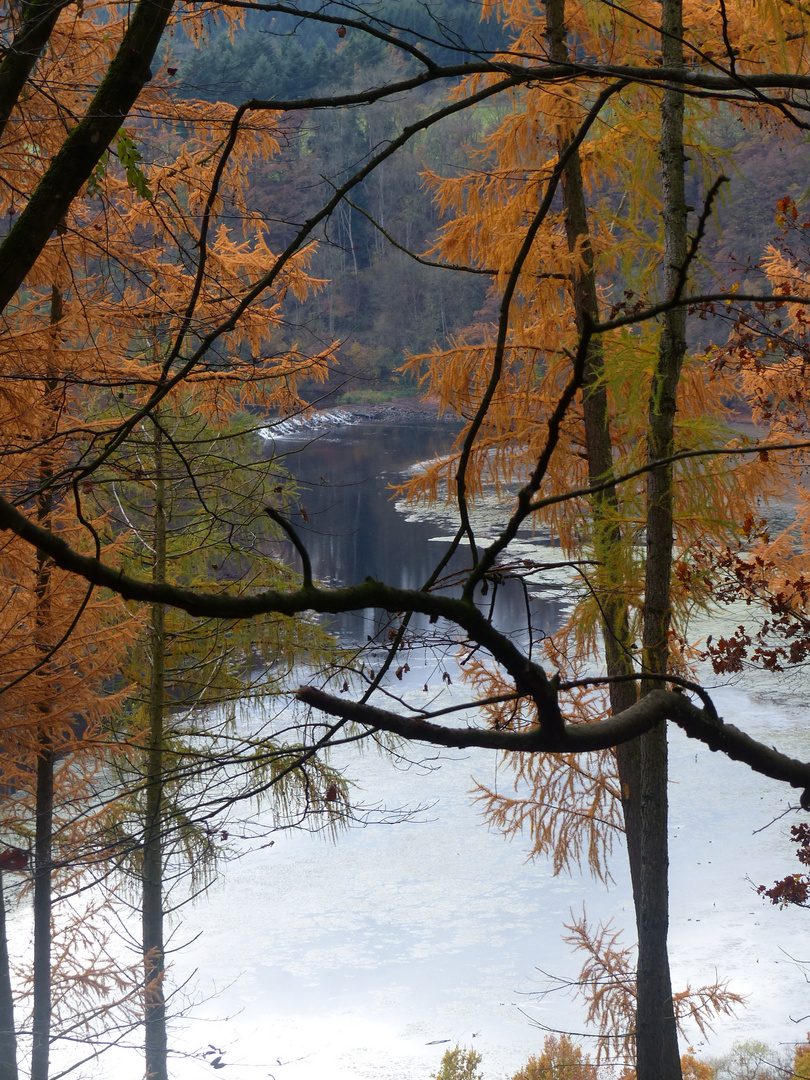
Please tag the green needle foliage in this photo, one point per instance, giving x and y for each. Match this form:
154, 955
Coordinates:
459, 1064
196, 742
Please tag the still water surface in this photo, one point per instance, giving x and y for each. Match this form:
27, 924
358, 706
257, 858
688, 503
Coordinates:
368, 958
355, 526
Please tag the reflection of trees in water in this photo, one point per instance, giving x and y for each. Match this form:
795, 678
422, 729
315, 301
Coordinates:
355, 527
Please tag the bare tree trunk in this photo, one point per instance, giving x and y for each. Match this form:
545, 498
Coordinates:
154, 959
43, 871
8, 1035
347, 210
607, 534
657, 1035
43, 828
642, 778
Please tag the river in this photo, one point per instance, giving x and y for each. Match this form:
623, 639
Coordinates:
368, 958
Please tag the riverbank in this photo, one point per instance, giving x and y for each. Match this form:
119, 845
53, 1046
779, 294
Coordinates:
400, 411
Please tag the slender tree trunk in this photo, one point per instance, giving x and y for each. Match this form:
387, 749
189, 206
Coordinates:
347, 217
43, 872
8, 1035
43, 828
607, 539
644, 796
154, 959
657, 1035
43, 831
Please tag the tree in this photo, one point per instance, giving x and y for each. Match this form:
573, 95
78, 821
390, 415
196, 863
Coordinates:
53, 743
751, 1060
84, 303
60, 645
187, 759
801, 1061
609, 984
693, 1069
561, 1060
199, 300
458, 1064
525, 143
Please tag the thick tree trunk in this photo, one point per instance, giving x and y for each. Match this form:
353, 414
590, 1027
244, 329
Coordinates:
38, 21
85, 144
154, 958
8, 1035
641, 763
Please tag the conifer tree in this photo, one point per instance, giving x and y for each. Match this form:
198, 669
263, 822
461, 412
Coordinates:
190, 497
78, 347
145, 226
524, 383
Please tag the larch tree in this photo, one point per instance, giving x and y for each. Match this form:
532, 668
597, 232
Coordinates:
53, 748
573, 391
190, 497
569, 279
60, 643
492, 201
78, 341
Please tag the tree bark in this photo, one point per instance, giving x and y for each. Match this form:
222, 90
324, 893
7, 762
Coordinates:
642, 762
8, 1034
39, 19
43, 902
608, 540
154, 958
46, 757
84, 146
656, 1035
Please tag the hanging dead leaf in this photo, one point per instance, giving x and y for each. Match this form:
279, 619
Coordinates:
13, 859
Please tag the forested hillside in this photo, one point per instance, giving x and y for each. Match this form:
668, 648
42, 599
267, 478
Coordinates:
378, 301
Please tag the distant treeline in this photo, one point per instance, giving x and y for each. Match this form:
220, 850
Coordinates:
379, 301
276, 56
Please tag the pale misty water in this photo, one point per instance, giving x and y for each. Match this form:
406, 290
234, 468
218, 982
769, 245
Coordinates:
368, 958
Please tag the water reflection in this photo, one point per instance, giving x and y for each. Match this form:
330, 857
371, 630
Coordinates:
353, 529
366, 959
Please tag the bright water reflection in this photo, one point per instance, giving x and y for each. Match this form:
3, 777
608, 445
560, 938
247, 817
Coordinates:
356, 960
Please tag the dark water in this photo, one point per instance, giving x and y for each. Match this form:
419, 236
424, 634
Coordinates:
354, 530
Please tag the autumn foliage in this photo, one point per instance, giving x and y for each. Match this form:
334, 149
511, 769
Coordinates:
795, 888
561, 1060
154, 307
114, 308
